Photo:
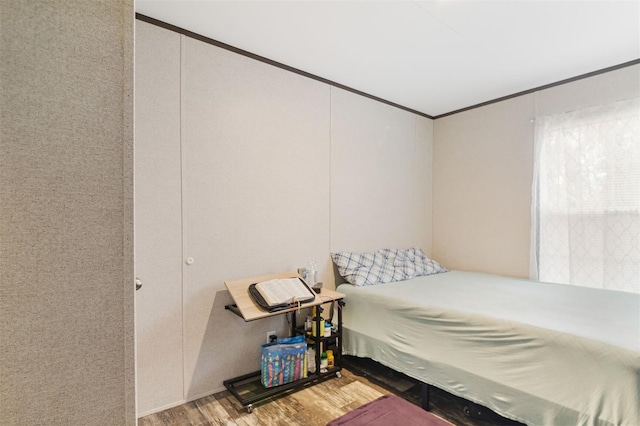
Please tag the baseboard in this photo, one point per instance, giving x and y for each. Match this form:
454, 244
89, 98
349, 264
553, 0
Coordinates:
175, 404
203, 394
158, 409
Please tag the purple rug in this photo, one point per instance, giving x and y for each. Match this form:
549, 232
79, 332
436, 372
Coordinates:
389, 410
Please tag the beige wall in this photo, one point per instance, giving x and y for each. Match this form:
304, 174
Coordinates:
483, 162
276, 170
66, 259
381, 162
255, 198
483, 167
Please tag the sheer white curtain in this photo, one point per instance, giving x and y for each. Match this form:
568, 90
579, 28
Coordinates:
586, 198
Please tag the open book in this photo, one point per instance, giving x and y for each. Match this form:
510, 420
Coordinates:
281, 291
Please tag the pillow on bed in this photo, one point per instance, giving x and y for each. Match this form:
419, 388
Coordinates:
384, 266
362, 269
379, 272
401, 262
424, 265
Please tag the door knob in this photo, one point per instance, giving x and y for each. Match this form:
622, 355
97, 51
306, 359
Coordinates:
138, 283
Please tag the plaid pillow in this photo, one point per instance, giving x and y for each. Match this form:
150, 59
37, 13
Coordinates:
380, 272
384, 266
405, 268
362, 269
348, 261
424, 265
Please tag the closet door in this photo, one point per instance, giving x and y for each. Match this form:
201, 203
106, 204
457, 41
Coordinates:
256, 198
158, 219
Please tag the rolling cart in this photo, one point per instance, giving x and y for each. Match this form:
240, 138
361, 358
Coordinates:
247, 388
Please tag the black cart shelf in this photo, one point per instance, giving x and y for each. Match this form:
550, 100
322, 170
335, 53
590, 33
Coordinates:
248, 389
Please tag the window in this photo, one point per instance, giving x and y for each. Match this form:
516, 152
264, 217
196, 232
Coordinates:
586, 211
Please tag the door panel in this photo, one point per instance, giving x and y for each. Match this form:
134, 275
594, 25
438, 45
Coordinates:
256, 197
158, 219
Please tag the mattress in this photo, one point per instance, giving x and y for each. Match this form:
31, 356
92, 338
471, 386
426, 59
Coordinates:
539, 353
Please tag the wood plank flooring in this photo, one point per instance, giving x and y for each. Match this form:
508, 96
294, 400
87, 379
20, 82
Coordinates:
361, 382
315, 405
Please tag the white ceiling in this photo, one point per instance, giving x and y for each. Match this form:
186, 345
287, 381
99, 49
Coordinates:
432, 56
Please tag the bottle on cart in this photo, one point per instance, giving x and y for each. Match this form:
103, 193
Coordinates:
311, 360
308, 324
323, 362
314, 322
311, 275
327, 329
330, 359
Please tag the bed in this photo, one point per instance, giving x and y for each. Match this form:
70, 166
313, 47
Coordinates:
539, 353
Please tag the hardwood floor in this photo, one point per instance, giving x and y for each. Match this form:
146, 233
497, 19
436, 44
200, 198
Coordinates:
362, 381
315, 405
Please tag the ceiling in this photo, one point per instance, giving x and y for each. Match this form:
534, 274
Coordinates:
434, 56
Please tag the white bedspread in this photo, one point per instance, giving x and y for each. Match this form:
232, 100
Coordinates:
535, 352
